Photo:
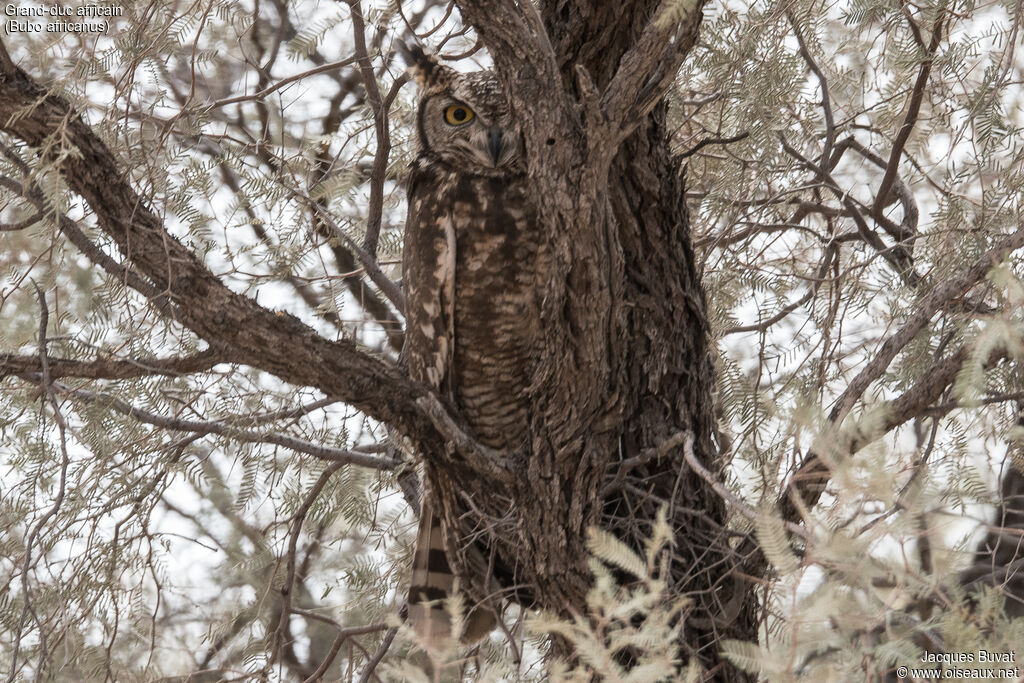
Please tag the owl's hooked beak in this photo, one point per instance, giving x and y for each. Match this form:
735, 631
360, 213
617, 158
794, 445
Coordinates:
494, 136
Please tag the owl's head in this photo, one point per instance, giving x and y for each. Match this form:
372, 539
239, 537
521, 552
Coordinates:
463, 118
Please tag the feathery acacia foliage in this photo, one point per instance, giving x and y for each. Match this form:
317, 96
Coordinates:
170, 506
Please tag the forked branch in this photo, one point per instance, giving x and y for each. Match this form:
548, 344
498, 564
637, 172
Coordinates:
648, 69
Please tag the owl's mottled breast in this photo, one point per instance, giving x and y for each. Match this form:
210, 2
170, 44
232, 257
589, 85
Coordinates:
492, 317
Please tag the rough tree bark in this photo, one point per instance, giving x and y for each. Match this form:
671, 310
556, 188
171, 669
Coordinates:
625, 373
625, 378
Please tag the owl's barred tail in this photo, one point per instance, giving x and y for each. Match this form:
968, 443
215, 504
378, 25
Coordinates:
433, 584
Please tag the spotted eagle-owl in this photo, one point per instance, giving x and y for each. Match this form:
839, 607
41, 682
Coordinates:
470, 265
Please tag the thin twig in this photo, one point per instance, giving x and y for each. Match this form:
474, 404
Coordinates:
380, 126
910, 120
713, 141
724, 493
277, 635
331, 66
112, 368
21, 225
727, 495
645, 456
344, 633
829, 256
826, 101
371, 665
338, 456
31, 191
384, 284
27, 609
484, 459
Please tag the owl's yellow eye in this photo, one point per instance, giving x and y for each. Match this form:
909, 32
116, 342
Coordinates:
458, 114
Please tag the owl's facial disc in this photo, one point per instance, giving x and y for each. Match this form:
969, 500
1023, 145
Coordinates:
477, 137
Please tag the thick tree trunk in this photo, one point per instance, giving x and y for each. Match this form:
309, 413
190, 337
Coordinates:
625, 372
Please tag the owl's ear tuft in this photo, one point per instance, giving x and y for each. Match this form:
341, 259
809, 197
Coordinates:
423, 67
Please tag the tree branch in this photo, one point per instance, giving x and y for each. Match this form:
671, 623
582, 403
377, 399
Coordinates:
826, 100
344, 633
647, 70
727, 495
907, 230
112, 368
371, 665
70, 229
340, 456
812, 475
514, 35
918, 399
22, 224
482, 458
826, 263
713, 141
276, 342
329, 67
940, 296
999, 557
901, 260
278, 635
910, 120
379, 107
47, 385
366, 260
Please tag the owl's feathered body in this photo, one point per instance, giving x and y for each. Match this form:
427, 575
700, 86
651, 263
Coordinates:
470, 269
476, 308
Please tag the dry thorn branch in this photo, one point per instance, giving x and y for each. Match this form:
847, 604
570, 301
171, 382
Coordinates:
111, 368
46, 384
338, 456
